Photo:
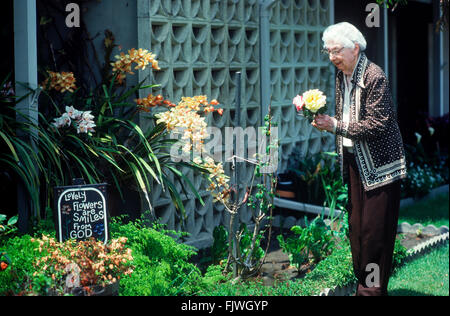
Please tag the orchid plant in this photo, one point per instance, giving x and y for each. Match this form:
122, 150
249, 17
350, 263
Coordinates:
96, 138
82, 120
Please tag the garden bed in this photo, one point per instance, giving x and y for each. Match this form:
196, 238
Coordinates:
411, 240
276, 267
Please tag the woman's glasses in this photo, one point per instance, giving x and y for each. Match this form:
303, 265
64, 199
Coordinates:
333, 52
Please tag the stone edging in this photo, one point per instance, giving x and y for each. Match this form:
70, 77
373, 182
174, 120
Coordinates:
351, 288
427, 244
428, 230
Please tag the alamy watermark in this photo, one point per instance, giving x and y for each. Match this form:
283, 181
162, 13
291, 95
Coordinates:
373, 18
73, 18
373, 278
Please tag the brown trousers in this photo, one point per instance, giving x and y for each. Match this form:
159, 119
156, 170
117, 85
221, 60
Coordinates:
373, 218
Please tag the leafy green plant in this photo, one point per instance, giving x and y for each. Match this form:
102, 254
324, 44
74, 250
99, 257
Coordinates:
85, 264
321, 239
336, 192
308, 172
400, 254
426, 170
256, 252
220, 245
8, 228
93, 136
161, 264
310, 243
296, 247
118, 152
22, 253
246, 262
19, 158
213, 276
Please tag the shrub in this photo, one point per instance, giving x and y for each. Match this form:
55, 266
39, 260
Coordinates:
40, 267
9, 227
213, 276
87, 263
313, 240
427, 168
221, 246
162, 265
421, 180
22, 252
400, 254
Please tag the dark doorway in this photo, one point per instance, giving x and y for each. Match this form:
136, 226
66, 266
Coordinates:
354, 12
412, 35
7, 38
8, 186
409, 60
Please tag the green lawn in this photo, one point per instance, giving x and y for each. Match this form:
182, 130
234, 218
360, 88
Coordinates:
426, 275
428, 211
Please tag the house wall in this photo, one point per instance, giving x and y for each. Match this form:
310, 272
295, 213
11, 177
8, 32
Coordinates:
444, 72
119, 17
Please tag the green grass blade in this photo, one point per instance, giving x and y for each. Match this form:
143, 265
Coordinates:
181, 177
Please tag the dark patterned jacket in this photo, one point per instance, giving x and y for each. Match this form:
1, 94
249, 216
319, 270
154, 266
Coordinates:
373, 127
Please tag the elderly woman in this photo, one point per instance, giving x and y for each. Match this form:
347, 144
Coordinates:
372, 158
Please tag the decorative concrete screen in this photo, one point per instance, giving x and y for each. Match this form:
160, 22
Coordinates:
201, 45
297, 65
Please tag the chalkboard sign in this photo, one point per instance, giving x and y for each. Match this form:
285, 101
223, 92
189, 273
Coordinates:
82, 212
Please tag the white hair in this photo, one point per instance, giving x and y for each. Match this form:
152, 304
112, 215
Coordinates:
344, 34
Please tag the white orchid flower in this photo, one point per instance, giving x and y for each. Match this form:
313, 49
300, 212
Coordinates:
418, 137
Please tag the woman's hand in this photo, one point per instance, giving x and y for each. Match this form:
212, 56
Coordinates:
324, 122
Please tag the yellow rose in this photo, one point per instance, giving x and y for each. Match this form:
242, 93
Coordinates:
314, 100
